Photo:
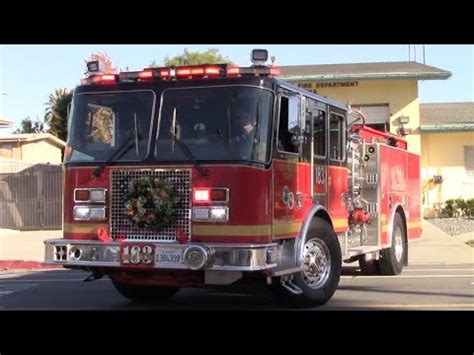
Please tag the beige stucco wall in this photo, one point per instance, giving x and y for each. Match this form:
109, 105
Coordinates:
41, 151
400, 95
10, 150
443, 154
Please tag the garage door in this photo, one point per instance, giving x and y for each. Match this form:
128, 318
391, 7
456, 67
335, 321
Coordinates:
375, 114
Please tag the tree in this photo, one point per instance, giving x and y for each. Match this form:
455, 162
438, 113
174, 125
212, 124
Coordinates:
209, 56
28, 126
56, 112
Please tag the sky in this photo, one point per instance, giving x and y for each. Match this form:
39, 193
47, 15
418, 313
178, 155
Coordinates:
29, 73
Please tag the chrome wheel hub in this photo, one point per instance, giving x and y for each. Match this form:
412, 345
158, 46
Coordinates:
316, 263
398, 240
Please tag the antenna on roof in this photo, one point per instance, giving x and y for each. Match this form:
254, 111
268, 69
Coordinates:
414, 52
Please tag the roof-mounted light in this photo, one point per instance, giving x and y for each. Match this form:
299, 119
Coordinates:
95, 66
259, 56
101, 79
275, 71
199, 71
212, 70
165, 73
181, 72
146, 74
233, 71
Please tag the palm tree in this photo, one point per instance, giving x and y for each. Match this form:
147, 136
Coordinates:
28, 126
56, 112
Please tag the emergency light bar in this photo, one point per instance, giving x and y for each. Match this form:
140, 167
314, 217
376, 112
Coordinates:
258, 58
182, 73
101, 79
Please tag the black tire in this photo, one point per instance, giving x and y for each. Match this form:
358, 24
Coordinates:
389, 264
370, 267
140, 293
319, 231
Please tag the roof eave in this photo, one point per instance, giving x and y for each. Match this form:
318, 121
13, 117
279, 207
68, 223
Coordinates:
447, 128
395, 76
52, 139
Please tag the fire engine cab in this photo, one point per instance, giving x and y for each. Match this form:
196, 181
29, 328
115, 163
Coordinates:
216, 174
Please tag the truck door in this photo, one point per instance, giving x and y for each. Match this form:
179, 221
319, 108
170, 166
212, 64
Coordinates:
337, 177
318, 117
288, 172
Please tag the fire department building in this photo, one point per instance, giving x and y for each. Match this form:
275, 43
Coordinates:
388, 95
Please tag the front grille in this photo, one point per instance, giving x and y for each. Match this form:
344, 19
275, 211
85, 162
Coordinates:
120, 225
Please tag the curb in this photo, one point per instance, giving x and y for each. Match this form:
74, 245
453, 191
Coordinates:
26, 264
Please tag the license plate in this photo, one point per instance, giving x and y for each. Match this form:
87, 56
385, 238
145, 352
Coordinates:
168, 257
136, 254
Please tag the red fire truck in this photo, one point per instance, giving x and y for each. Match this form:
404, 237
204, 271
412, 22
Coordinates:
216, 174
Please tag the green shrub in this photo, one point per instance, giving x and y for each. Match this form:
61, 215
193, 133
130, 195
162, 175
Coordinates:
461, 206
450, 208
470, 207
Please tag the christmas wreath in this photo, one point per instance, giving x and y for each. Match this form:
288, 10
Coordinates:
151, 202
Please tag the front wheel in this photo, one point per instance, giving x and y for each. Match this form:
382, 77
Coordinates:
140, 293
321, 264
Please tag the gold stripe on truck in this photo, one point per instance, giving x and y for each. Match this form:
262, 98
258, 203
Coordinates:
80, 228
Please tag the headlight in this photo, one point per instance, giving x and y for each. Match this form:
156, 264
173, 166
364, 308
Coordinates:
88, 213
211, 214
219, 214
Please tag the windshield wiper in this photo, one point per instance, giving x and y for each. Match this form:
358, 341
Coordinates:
120, 151
185, 149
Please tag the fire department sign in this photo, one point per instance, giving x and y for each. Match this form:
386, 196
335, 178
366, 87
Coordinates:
314, 86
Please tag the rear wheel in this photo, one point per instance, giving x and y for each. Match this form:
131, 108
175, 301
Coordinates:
392, 259
141, 293
321, 264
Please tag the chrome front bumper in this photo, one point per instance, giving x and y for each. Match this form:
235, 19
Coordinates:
194, 256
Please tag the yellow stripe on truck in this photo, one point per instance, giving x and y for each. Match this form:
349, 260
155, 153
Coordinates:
414, 224
84, 228
287, 228
340, 223
243, 230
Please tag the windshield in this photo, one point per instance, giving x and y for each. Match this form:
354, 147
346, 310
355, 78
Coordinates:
223, 123
102, 123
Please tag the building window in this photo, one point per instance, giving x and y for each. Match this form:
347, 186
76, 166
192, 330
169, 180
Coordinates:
469, 160
377, 116
6, 150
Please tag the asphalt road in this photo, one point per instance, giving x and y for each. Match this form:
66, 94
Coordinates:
419, 287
